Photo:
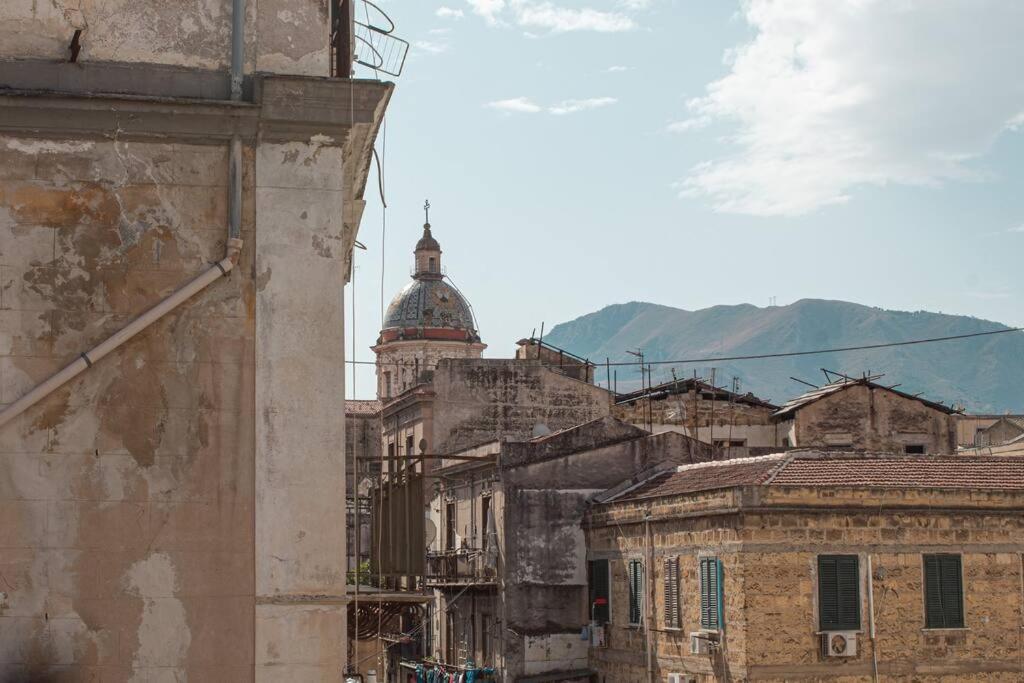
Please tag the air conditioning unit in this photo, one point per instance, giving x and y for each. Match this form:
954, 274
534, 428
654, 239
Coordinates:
839, 644
681, 678
703, 642
597, 636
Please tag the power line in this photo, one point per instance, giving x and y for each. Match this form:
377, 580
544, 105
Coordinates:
784, 354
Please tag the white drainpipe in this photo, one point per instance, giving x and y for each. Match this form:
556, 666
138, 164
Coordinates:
221, 268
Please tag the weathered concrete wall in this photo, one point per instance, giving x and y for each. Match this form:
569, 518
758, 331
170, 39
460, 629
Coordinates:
282, 36
483, 400
873, 419
126, 531
770, 564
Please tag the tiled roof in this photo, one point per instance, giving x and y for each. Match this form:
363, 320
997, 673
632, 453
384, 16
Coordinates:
824, 469
813, 395
898, 471
362, 407
707, 476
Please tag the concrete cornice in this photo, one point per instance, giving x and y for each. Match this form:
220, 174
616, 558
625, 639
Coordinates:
143, 101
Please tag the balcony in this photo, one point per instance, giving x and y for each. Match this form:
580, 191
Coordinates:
459, 567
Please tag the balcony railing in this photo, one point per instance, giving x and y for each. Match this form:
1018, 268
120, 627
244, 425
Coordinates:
462, 566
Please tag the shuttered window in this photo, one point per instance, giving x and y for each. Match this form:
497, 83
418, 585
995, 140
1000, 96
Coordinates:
600, 596
943, 591
636, 590
672, 617
710, 593
838, 593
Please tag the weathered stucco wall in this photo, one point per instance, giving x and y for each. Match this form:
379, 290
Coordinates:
873, 419
126, 497
282, 36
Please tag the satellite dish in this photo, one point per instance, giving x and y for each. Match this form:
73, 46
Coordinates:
540, 429
429, 531
423, 445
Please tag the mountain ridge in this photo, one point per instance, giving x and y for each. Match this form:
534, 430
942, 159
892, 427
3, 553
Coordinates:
985, 374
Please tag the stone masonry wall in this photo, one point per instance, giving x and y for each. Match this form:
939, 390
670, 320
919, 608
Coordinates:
482, 400
875, 420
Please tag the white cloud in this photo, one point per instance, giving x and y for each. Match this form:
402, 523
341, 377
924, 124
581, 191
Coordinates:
617, 69
831, 96
488, 9
1019, 228
689, 124
534, 14
431, 47
635, 4
563, 19
522, 105
448, 13
573, 106
525, 105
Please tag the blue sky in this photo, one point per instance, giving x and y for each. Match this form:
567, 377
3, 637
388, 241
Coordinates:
692, 153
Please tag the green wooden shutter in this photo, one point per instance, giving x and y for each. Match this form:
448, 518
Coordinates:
598, 580
838, 592
636, 580
672, 617
710, 593
943, 591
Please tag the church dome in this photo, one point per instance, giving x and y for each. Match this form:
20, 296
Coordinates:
429, 308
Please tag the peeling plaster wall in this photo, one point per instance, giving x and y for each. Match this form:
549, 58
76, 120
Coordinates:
282, 36
126, 497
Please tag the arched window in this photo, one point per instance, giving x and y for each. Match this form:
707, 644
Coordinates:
432, 265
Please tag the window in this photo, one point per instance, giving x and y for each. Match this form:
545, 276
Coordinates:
409, 446
943, 592
914, 449
485, 639
838, 593
387, 384
449, 528
672, 617
598, 587
485, 508
636, 591
432, 264
710, 593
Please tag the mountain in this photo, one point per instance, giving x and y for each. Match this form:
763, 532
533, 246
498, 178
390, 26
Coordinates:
985, 374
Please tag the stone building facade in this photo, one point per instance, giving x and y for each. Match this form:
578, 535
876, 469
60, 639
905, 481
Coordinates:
814, 567
863, 415
711, 414
172, 511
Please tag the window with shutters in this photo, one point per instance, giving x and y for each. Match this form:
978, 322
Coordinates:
600, 595
710, 593
838, 593
636, 591
943, 591
672, 616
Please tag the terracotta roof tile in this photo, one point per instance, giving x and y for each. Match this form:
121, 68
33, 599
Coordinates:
361, 407
831, 469
950, 472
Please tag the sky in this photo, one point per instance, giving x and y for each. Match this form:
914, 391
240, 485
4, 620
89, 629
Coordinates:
580, 153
